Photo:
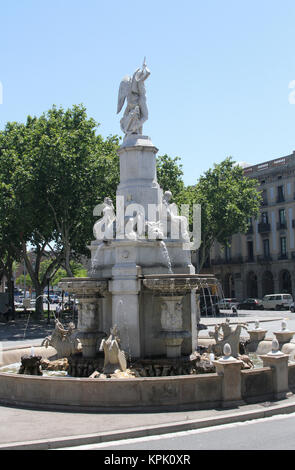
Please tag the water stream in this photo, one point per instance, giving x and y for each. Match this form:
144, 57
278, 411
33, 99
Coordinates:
94, 261
166, 256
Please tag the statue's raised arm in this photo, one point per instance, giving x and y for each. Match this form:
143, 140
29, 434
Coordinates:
133, 91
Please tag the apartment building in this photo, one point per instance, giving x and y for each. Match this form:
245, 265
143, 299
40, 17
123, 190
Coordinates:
262, 261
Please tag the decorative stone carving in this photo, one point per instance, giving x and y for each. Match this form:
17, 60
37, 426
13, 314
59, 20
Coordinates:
114, 357
177, 226
63, 340
171, 318
228, 335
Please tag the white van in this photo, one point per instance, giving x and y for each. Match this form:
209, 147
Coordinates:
277, 301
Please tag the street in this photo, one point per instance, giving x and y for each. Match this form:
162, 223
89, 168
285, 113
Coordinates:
274, 433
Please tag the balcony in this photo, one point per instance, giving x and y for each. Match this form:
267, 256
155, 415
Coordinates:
250, 259
264, 258
230, 260
280, 198
264, 227
281, 225
283, 256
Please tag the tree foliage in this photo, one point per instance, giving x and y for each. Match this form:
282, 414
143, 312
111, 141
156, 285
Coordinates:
54, 169
227, 200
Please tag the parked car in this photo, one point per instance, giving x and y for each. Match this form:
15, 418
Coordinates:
53, 298
277, 301
228, 303
250, 304
18, 303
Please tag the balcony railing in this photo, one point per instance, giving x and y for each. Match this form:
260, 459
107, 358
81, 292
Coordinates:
281, 225
283, 256
250, 259
231, 260
264, 258
280, 198
264, 227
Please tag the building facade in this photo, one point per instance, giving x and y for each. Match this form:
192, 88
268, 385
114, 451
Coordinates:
262, 261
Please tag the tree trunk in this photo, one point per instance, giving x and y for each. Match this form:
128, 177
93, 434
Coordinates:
67, 248
10, 283
39, 302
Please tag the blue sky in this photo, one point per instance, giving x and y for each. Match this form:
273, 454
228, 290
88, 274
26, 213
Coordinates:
219, 80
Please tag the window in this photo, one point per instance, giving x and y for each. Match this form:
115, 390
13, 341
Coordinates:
264, 217
283, 245
250, 251
264, 197
281, 195
282, 216
266, 248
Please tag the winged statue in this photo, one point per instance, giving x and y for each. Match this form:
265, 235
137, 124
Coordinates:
132, 90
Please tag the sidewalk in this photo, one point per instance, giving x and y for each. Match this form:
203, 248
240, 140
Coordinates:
31, 429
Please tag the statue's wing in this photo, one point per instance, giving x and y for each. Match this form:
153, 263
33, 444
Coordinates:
123, 92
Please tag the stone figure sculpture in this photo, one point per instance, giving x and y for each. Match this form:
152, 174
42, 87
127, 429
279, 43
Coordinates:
225, 334
133, 91
177, 225
104, 227
63, 340
114, 357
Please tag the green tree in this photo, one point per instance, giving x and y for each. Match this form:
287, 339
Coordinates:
227, 200
10, 245
57, 169
169, 175
20, 281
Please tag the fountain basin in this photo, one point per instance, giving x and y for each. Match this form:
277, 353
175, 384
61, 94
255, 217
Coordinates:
84, 285
191, 392
284, 336
178, 283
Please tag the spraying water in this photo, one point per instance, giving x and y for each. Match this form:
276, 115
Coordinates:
166, 256
121, 313
94, 261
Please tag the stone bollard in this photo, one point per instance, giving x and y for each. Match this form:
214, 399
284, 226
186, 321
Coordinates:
278, 362
230, 369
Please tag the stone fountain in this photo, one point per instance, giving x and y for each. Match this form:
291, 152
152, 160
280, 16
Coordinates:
141, 276
142, 288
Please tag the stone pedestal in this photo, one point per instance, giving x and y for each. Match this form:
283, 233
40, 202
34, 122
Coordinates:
125, 287
278, 362
257, 335
230, 370
284, 336
138, 174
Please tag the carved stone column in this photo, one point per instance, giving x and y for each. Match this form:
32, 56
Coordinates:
88, 292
